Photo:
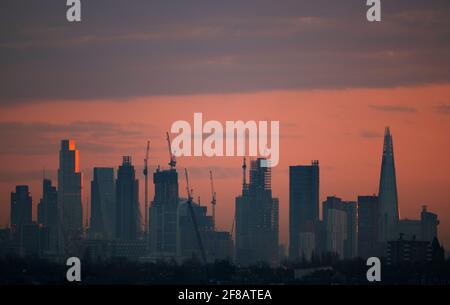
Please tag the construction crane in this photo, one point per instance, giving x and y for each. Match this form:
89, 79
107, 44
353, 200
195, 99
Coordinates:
244, 174
173, 161
86, 226
194, 220
146, 188
244, 188
232, 226
213, 200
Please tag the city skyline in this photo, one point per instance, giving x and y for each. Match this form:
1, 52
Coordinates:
333, 80
87, 211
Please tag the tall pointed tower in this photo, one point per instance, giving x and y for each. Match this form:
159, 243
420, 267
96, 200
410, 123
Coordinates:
388, 209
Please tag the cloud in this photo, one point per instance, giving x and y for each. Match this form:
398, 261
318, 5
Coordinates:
37, 138
393, 108
122, 50
219, 172
31, 175
443, 109
369, 134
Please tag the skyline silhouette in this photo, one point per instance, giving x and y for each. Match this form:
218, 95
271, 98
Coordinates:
69, 162
86, 198
332, 79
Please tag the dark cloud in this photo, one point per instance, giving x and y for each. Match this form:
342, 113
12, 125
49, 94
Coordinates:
393, 108
93, 137
370, 134
27, 176
220, 172
443, 109
125, 49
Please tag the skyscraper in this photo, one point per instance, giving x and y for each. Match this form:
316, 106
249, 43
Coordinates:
21, 208
339, 220
163, 227
70, 191
388, 199
257, 218
48, 205
335, 225
351, 243
103, 203
303, 207
127, 202
368, 226
48, 216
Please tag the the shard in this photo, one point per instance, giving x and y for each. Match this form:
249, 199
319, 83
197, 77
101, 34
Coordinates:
388, 209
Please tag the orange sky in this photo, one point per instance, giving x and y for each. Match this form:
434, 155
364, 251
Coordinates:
341, 128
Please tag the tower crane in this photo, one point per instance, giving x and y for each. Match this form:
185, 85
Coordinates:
173, 161
213, 200
244, 174
232, 226
146, 188
244, 187
194, 220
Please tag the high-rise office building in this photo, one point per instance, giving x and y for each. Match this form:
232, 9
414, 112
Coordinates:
48, 216
335, 226
423, 229
257, 218
429, 224
340, 225
368, 226
127, 202
21, 208
30, 240
410, 251
388, 198
48, 205
70, 191
303, 209
103, 203
163, 226
351, 245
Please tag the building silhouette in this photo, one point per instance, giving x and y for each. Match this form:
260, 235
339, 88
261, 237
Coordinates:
21, 207
423, 229
388, 198
70, 192
257, 218
30, 240
390, 227
303, 210
218, 244
429, 230
163, 226
127, 226
48, 205
103, 204
48, 216
340, 225
368, 245
351, 244
409, 251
